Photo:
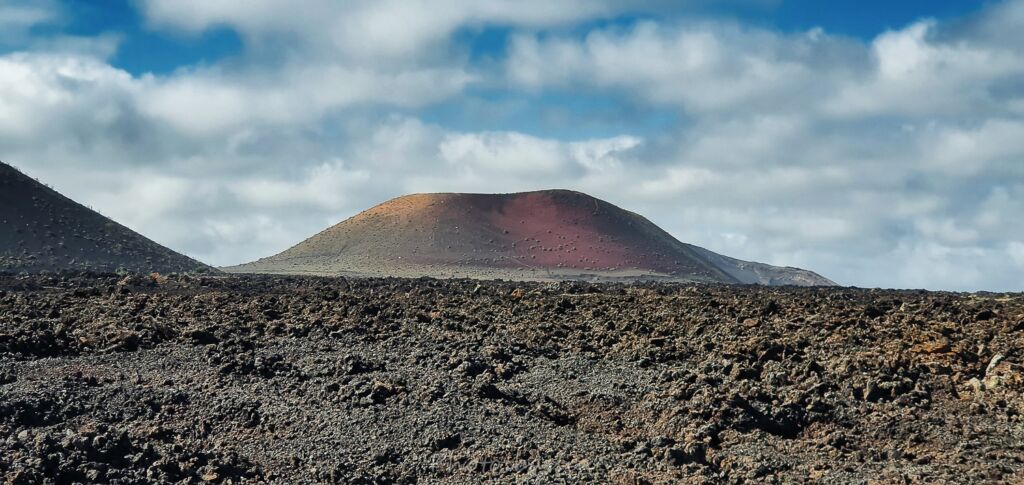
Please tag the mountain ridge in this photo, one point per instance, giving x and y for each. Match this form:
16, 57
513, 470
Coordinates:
540, 235
47, 231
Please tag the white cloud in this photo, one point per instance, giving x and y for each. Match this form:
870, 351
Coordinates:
323, 187
946, 231
102, 46
17, 17
204, 102
42, 93
891, 162
370, 30
927, 264
153, 196
964, 151
712, 67
603, 155
678, 180
704, 67
504, 153
747, 140
531, 157
915, 74
1016, 251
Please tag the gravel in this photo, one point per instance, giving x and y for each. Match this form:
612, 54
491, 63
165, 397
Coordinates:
246, 379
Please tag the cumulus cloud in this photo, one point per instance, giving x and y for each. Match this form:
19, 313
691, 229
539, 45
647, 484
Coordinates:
887, 152
895, 161
706, 67
916, 73
372, 30
49, 96
17, 17
529, 157
993, 145
1016, 251
714, 67
215, 102
324, 187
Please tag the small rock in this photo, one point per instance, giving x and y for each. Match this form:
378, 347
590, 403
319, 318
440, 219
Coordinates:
770, 308
873, 392
976, 385
471, 368
935, 347
984, 315
873, 312
202, 337
381, 390
661, 441
996, 359
449, 442
693, 452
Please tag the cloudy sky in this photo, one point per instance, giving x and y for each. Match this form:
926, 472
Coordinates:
879, 143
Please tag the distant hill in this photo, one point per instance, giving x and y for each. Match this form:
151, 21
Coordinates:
45, 231
552, 234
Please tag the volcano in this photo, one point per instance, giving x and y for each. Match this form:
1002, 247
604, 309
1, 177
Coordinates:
544, 235
44, 231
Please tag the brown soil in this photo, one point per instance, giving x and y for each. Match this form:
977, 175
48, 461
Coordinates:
290, 380
41, 230
552, 234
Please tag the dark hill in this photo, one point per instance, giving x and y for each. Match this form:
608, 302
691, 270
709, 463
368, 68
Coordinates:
553, 234
45, 231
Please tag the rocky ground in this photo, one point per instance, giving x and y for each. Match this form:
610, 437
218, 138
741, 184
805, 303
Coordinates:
292, 380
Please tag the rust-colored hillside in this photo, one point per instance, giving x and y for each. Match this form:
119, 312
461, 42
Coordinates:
552, 234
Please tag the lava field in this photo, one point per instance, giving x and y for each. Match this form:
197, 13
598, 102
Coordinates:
246, 379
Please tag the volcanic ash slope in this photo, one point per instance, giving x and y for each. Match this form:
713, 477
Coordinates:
45, 231
544, 235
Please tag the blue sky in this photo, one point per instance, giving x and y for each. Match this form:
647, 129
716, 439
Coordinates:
879, 143
144, 49
148, 50
161, 51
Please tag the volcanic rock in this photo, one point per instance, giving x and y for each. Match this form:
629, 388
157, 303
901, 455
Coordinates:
41, 230
544, 235
641, 383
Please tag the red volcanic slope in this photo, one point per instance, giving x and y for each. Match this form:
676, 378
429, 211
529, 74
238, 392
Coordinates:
554, 232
